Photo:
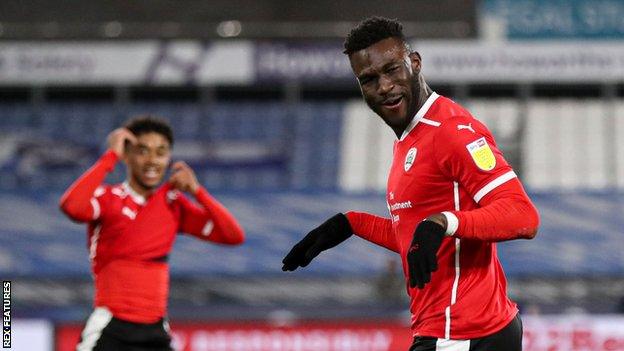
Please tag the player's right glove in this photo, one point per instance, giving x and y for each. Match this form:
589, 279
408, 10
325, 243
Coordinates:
422, 257
327, 235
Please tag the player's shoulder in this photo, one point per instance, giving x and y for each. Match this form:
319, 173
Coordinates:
459, 126
446, 108
457, 122
444, 111
117, 190
174, 196
461, 129
103, 190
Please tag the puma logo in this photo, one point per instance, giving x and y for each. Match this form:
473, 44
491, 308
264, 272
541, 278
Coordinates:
463, 126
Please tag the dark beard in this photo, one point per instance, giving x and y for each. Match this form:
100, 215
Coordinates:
411, 111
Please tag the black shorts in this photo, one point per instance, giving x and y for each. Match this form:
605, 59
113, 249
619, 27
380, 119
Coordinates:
103, 332
507, 339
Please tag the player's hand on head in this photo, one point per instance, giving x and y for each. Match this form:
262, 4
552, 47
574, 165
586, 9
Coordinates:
327, 235
117, 140
183, 178
422, 257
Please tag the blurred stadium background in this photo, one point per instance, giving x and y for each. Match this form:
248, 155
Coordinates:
266, 111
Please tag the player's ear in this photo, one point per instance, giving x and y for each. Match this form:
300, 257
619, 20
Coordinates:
415, 61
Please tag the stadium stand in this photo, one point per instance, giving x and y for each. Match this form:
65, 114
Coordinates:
269, 160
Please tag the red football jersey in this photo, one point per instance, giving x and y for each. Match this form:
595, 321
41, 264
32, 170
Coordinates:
447, 161
130, 236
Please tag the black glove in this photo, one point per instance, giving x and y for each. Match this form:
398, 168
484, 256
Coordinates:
422, 254
327, 235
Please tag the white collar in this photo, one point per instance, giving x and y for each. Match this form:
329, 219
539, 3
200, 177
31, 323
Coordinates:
420, 114
136, 197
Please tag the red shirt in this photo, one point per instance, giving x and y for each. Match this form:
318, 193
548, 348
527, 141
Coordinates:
448, 161
129, 238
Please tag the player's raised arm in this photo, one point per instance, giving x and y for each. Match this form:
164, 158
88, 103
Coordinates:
79, 201
212, 221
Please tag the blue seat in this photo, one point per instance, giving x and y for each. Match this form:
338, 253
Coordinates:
17, 117
80, 122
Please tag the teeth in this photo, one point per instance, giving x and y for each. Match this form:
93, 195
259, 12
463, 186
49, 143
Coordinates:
393, 101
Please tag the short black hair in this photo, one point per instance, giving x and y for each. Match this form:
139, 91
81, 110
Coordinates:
147, 123
370, 31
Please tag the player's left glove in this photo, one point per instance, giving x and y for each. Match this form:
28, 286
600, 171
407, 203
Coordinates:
327, 235
422, 254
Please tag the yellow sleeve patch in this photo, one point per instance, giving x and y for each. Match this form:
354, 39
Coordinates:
481, 154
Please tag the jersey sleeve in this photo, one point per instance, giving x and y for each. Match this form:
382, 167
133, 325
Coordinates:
210, 221
375, 229
506, 213
467, 153
84, 200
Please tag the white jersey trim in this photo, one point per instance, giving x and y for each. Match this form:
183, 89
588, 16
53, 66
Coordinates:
92, 331
430, 122
94, 242
447, 311
208, 227
99, 191
452, 345
136, 197
96, 208
493, 185
420, 116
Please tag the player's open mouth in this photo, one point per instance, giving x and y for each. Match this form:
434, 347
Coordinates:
393, 102
151, 174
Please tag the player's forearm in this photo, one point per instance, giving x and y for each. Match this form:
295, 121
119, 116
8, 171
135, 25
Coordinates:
375, 229
76, 201
226, 229
507, 218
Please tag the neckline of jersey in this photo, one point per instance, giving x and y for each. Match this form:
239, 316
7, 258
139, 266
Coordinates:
138, 198
420, 114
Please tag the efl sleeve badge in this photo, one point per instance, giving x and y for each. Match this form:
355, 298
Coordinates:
481, 154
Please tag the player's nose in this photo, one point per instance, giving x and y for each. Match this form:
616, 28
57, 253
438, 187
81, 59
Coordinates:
385, 85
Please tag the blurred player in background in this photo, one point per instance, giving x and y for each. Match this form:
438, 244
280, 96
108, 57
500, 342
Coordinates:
451, 197
131, 230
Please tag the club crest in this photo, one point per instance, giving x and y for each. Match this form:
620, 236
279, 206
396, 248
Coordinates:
409, 159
